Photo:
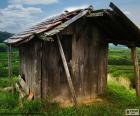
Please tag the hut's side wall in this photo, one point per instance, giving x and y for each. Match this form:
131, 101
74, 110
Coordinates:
30, 66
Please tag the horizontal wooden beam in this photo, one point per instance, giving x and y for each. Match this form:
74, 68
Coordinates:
99, 14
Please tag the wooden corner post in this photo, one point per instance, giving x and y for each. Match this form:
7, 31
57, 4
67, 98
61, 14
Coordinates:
136, 69
10, 65
67, 71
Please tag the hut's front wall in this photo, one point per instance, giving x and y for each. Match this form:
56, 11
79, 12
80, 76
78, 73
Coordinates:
86, 54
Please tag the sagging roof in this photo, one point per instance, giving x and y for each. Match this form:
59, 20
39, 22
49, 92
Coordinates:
49, 27
119, 28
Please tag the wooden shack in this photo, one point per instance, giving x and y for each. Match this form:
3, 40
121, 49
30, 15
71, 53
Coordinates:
65, 57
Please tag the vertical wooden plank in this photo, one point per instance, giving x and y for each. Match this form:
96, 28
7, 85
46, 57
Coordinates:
105, 67
45, 75
30, 67
89, 60
136, 69
67, 71
51, 71
102, 79
75, 67
74, 62
94, 61
80, 60
37, 69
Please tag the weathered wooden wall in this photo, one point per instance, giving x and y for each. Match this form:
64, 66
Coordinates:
86, 54
30, 66
54, 83
89, 60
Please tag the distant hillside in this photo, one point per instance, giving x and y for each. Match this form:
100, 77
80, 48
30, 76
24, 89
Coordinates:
4, 35
117, 47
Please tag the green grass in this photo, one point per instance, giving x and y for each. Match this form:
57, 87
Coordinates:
4, 82
4, 64
8, 100
114, 103
121, 70
120, 56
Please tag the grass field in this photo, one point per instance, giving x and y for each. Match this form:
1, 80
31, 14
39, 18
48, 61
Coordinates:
113, 103
116, 99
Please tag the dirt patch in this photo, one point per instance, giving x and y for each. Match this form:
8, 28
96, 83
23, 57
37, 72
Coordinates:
81, 101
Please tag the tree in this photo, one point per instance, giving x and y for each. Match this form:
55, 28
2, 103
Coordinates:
4, 35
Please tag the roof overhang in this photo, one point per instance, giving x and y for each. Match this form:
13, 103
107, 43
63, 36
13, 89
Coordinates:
119, 28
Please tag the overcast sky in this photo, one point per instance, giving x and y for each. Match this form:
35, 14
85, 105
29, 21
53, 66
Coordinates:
17, 15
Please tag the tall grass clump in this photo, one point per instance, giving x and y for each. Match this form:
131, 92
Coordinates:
120, 96
34, 106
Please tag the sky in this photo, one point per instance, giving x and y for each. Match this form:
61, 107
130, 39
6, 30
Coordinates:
18, 15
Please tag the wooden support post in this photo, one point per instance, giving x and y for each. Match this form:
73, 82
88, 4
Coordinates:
136, 69
67, 71
10, 64
9, 61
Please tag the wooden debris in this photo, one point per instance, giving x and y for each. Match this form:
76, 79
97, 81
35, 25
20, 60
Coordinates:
23, 85
23, 89
6, 89
30, 97
21, 92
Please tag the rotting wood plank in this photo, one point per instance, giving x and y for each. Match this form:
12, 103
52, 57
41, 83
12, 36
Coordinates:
10, 40
24, 40
51, 85
23, 85
37, 69
136, 69
66, 24
67, 71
